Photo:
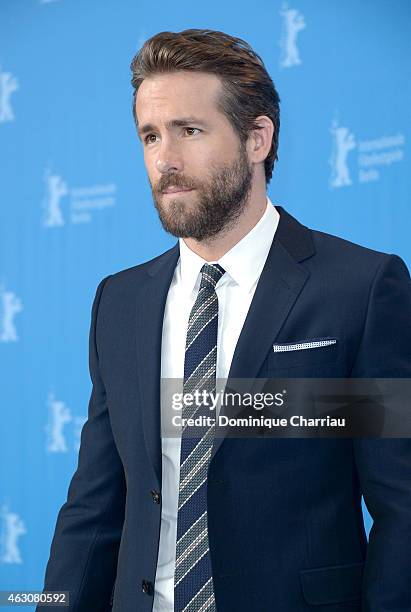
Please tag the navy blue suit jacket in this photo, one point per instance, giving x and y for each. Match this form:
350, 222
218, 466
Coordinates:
285, 522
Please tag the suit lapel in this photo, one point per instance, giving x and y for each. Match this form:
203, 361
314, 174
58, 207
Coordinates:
279, 286
150, 313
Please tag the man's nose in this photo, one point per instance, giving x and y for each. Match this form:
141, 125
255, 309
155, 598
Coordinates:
169, 157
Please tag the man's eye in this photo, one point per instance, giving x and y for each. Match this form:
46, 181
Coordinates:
192, 128
146, 139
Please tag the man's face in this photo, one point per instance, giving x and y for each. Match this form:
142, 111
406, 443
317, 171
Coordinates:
202, 156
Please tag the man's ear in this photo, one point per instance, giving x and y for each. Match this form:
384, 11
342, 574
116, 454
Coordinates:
260, 139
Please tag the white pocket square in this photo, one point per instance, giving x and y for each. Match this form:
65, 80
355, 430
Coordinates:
304, 344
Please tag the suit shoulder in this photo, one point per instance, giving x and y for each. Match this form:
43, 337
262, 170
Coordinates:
325, 241
135, 272
336, 248
349, 260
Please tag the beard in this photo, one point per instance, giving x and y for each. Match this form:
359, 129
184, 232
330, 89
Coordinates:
215, 205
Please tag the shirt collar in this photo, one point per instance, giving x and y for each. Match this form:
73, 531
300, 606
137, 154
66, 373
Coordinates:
243, 262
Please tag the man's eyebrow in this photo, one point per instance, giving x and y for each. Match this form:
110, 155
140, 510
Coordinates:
149, 127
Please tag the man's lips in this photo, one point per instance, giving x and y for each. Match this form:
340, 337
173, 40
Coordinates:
177, 189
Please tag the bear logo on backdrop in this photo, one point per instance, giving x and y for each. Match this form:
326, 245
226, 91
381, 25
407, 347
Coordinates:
292, 23
10, 305
56, 188
11, 528
81, 202
343, 143
8, 85
372, 155
59, 415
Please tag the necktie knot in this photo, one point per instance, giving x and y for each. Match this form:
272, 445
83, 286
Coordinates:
211, 274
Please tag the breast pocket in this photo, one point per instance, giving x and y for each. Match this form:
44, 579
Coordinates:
303, 353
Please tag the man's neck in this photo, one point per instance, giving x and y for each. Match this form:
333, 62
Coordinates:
214, 248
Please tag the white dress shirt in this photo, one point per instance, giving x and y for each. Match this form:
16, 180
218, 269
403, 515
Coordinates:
243, 264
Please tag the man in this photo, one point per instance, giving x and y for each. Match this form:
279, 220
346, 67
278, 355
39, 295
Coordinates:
235, 525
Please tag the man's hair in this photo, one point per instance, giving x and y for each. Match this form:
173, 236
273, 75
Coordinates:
247, 88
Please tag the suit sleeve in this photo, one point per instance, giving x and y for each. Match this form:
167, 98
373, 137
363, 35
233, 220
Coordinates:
384, 465
84, 548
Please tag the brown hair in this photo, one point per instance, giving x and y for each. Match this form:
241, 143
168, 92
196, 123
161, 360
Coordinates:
248, 90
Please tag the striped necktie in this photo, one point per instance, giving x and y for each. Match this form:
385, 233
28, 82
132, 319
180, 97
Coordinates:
193, 582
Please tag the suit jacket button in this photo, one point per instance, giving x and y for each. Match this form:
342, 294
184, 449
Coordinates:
156, 496
147, 587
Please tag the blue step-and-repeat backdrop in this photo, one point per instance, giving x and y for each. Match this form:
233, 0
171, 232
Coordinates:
75, 202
